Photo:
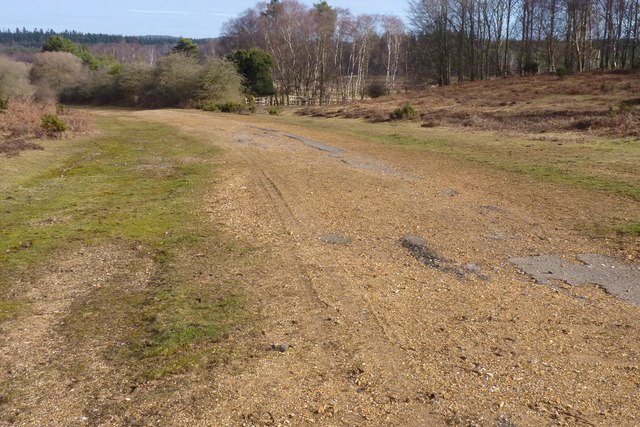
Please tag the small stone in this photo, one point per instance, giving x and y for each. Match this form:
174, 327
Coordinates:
282, 347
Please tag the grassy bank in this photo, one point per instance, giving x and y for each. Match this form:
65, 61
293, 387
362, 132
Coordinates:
133, 193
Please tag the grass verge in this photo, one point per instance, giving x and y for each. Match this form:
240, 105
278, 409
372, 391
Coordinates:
137, 188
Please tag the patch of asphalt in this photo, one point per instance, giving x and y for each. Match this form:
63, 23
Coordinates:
419, 248
614, 276
306, 141
361, 163
491, 208
335, 239
368, 164
315, 144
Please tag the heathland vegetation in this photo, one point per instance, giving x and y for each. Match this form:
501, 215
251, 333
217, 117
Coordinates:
322, 55
326, 54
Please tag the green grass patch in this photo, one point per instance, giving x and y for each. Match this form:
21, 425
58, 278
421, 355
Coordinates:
632, 229
136, 185
128, 185
180, 319
9, 309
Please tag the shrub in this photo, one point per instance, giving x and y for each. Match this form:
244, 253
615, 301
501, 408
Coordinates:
134, 82
606, 87
176, 79
4, 103
251, 104
223, 107
98, 88
219, 82
230, 107
14, 80
376, 90
530, 67
626, 106
273, 111
612, 112
207, 106
561, 72
396, 114
53, 124
406, 112
54, 72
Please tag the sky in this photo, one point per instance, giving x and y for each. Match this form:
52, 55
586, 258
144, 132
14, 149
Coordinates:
187, 18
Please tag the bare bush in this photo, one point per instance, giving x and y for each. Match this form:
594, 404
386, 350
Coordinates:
14, 80
134, 81
219, 82
175, 80
53, 72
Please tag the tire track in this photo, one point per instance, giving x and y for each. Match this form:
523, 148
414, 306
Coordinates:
381, 342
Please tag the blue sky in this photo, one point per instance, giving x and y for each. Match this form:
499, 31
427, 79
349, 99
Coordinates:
188, 18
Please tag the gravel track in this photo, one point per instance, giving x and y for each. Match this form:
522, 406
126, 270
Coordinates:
363, 332
377, 337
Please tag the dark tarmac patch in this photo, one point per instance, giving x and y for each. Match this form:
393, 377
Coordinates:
315, 144
418, 247
491, 208
614, 276
335, 239
361, 163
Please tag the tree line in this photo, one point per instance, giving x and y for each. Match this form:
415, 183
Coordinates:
320, 52
325, 53
478, 39
69, 73
37, 37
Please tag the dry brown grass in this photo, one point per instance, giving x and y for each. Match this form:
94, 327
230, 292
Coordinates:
21, 123
604, 104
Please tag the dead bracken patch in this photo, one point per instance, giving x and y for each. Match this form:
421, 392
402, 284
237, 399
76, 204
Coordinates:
22, 123
597, 103
13, 147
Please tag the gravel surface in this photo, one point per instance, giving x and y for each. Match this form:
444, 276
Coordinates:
371, 333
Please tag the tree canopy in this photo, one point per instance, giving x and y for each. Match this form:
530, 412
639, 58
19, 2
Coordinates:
256, 66
62, 44
186, 46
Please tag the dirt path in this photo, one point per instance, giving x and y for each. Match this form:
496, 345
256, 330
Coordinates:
48, 376
360, 332
376, 337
